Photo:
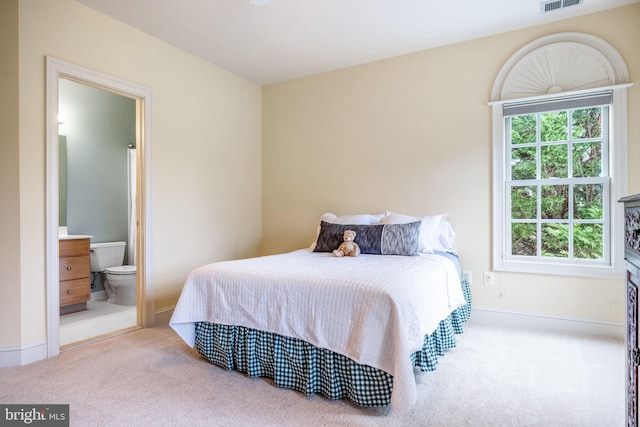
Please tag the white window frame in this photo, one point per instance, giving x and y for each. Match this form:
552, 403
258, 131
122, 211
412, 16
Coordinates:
502, 261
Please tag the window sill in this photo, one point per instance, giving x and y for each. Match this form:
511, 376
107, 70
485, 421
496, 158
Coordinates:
554, 268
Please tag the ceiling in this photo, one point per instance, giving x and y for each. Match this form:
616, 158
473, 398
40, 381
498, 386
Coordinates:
288, 39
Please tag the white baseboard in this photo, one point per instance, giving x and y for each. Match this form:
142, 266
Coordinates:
547, 322
19, 355
164, 315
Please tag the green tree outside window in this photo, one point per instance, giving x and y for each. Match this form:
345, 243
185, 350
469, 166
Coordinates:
547, 213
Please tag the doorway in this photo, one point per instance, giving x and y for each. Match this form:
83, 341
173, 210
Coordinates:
97, 189
60, 74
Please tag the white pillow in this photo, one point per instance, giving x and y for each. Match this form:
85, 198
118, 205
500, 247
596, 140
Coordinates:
447, 236
434, 232
360, 219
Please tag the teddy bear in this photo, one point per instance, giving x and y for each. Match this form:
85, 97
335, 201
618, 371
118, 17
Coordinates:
348, 247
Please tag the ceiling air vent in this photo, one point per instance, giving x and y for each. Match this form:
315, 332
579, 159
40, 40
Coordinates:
548, 6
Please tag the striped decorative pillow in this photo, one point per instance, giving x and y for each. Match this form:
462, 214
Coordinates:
377, 239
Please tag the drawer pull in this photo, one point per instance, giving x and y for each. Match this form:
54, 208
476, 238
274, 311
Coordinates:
68, 268
69, 291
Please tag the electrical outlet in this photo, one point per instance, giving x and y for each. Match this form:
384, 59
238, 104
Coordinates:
466, 275
488, 278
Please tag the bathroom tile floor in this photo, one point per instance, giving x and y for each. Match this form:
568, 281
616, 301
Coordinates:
101, 318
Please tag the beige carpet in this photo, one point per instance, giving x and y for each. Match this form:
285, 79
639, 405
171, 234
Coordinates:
495, 377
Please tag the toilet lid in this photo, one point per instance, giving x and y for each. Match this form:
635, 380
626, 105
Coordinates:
122, 269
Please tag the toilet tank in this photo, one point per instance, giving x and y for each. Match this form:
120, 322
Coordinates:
105, 255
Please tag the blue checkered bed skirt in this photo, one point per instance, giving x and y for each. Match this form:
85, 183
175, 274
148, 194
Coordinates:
298, 365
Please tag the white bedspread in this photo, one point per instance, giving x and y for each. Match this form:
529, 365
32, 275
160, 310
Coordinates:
373, 309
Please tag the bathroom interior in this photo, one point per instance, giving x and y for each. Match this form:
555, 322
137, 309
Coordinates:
97, 217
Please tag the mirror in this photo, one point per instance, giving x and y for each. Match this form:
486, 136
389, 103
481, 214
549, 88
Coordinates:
62, 170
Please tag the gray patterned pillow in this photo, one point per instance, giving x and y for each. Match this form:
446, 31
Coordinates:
377, 239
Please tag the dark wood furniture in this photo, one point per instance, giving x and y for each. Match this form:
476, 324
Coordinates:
632, 264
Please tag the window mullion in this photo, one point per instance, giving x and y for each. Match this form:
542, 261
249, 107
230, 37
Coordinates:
538, 221
571, 217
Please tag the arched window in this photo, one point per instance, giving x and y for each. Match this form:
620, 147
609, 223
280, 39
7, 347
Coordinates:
559, 140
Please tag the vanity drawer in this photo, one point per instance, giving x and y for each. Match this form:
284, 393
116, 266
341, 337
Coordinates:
74, 267
74, 291
73, 247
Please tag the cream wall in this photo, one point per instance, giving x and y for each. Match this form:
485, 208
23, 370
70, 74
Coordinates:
413, 135
386, 135
206, 166
9, 180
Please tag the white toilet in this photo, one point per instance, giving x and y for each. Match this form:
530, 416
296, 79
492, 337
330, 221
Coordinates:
120, 283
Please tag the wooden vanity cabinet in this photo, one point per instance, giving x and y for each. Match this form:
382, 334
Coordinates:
75, 282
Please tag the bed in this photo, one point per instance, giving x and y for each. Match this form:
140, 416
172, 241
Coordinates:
352, 327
